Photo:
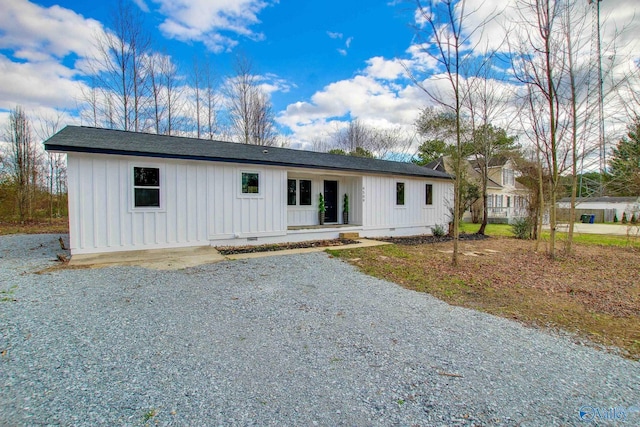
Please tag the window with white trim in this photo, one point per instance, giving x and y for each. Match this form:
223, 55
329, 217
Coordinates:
305, 192
146, 187
291, 192
428, 194
250, 183
508, 177
400, 193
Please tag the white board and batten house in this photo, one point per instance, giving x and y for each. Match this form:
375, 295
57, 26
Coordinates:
132, 191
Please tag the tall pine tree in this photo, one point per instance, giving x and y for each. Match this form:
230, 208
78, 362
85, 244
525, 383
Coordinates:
624, 165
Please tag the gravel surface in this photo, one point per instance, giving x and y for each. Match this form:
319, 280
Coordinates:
286, 340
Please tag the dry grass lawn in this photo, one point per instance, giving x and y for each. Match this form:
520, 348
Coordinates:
55, 226
594, 293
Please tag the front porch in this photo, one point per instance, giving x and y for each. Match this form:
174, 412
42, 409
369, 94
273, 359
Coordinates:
323, 232
320, 227
303, 192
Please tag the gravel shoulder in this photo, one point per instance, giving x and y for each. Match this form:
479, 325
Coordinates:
284, 340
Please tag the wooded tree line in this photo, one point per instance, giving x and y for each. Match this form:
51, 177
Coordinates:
32, 182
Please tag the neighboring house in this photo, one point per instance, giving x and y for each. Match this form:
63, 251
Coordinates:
130, 191
507, 199
609, 205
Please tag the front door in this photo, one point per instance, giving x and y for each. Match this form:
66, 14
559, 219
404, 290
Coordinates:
331, 201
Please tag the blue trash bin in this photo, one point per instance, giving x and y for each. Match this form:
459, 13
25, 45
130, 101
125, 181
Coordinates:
592, 219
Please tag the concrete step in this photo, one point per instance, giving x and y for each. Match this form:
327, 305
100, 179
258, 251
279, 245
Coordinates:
351, 235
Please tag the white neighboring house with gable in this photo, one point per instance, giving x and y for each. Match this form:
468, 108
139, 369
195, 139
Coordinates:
507, 199
131, 191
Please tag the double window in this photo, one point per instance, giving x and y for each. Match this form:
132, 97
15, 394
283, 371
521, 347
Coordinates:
146, 187
299, 192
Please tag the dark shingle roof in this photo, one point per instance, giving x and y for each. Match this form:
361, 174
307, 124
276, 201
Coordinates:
82, 139
440, 164
437, 165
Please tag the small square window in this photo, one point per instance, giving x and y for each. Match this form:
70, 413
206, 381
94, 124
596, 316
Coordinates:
428, 194
400, 193
305, 192
250, 183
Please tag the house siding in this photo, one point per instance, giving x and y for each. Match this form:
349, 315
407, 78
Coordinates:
381, 213
201, 204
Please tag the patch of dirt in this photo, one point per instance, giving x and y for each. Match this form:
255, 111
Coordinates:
234, 250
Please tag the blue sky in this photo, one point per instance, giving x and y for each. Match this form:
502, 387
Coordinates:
322, 62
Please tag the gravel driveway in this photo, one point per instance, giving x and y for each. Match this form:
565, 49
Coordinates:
297, 340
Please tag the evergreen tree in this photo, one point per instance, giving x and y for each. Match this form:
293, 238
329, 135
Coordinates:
624, 166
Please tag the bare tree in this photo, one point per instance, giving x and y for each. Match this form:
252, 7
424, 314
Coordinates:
486, 99
196, 88
23, 161
118, 71
173, 95
358, 138
204, 99
166, 93
447, 38
552, 58
210, 101
55, 165
355, 135
158, 102
543, 67
252, 117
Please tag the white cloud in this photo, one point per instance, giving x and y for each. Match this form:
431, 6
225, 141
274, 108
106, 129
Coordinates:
347, 43
37, 84
384, 104
37, 41
142, 5
380, 68
205, 20
271, 83
334, 35
34, 32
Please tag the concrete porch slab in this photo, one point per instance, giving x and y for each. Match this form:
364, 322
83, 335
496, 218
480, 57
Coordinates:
157, 259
